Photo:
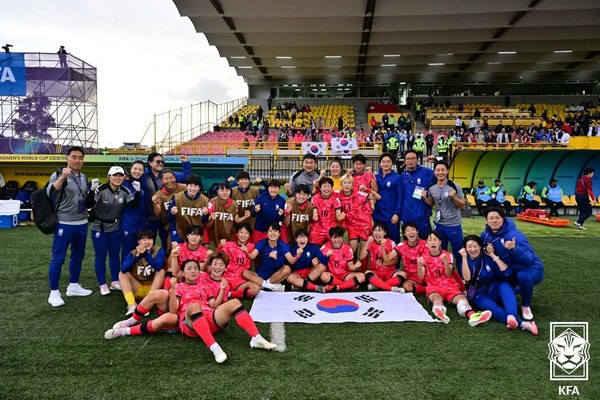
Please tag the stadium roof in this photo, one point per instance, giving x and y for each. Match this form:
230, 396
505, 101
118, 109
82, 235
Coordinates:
349, 41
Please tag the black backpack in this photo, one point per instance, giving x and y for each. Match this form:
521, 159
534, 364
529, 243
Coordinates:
44, 212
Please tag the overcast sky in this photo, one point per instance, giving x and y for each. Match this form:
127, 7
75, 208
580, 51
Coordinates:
149, 59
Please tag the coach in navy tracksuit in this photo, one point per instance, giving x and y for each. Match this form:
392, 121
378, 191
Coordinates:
416, 179
133, 219
151, 183
70, 186
389, 185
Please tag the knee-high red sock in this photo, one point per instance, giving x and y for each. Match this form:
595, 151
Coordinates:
396, 280
349, 284
201, 327
242, 294
142, 329
167, 281
139, 312
245, 321
309, 285
377, 282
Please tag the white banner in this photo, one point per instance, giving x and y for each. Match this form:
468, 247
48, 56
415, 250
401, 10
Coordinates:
343, 144
317, 308
316, 148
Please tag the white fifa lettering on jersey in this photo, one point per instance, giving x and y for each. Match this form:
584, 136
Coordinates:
221, 216
191, 211
300, 218
245, 203
166, 204
144, 270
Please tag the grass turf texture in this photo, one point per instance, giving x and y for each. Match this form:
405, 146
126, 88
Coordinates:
61, 353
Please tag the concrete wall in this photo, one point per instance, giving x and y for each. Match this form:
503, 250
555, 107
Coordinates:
517, 99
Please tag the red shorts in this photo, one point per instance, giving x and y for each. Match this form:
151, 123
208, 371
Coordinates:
302, 272
257, 236
447, 293
188, 330
359, 232
418, 287
340, 277
383, 275
318, 238
235, 283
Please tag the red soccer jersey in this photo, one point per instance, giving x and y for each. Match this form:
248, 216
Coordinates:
363, 179
435, 272
355, 206
186, 254
375, 256
326, 209
189, 294
338, 261
212, 288
409, 258
238, 260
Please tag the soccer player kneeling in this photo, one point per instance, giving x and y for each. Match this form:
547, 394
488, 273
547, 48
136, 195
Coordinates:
342, 272
201, 314
142, 271
435, 268
309, 263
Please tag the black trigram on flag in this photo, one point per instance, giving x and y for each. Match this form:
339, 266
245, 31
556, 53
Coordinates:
305, 313
304, 298
373, 312
366, 298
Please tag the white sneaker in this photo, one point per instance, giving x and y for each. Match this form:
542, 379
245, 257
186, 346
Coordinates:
220, 356
371, 287
104, 290
130, 310
55, 299
397, 289
259, 342
440, 314
126, 323
277, 287
527, 314
75, 289
115, 285
580, 226
115, 333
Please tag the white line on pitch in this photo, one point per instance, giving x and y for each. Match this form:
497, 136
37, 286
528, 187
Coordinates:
278, 336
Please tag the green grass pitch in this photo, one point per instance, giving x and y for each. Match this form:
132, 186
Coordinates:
48, 353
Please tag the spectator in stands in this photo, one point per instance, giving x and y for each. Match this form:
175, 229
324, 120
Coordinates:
584, 195
526, 197
442, 147
385, 121
503, 137
429, 139
531, 110
552, 196
497, 197
402, 121
306, 175
392, 122
373, 124
419, 146
484, 195
340, 124
410, 139
392, 143
477, 113
402, 139
458, 123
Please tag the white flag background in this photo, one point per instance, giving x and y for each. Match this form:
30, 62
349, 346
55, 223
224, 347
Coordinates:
316, 148
317, 308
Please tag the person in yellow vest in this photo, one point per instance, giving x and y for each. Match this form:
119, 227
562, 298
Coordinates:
393, 144
142, 271
451, 141
419, 147
442, 147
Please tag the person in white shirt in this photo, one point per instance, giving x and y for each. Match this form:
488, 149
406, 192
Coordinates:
564, 139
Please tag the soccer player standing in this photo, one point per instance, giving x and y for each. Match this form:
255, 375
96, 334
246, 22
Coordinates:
70, 185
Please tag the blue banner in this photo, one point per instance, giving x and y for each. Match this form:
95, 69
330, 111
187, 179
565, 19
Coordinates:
13, 80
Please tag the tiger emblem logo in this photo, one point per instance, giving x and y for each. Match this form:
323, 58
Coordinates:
569, 351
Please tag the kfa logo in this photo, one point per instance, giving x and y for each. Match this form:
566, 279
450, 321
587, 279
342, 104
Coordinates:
569, 351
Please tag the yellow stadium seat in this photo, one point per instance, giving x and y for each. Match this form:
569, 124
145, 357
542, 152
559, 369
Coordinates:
512, 200
471, 200
539, 199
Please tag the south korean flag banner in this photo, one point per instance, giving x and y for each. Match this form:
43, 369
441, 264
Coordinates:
317, 308
315, 148
343, 144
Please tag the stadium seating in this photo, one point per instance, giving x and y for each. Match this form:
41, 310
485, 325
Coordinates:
329, 114
247, 111
560, 110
